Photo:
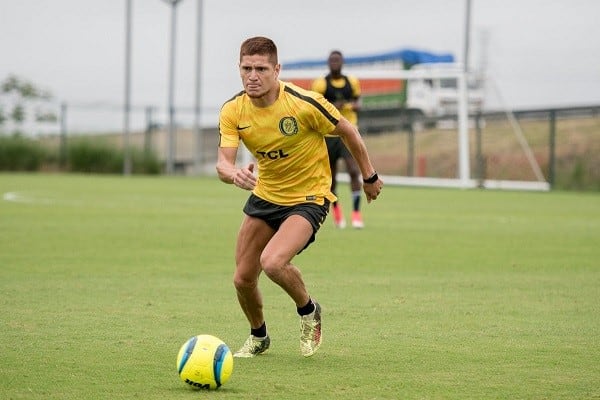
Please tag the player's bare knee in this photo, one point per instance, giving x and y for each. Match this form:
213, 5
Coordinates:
271, 264
242, 282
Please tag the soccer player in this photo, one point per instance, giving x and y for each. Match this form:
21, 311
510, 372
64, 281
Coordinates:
283, 126
344, 92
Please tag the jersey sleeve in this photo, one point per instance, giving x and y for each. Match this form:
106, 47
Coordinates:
319, 85
326, 115
355, 83
228, 133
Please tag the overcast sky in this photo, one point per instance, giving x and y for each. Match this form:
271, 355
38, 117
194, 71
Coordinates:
539, 53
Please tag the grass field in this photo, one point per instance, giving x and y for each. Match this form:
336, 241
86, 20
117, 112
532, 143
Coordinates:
446, 294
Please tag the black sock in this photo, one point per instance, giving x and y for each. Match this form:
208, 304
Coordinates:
307, 309
356, 200
259, 332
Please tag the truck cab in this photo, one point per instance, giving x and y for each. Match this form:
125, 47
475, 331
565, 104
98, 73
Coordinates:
433, 99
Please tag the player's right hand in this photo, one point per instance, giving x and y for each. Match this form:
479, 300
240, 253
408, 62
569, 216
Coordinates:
244, 177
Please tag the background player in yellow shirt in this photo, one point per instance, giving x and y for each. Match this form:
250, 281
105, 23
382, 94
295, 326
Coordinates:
283, 126
343, 91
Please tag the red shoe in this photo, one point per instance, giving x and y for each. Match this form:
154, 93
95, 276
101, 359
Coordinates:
357, 221
338, 216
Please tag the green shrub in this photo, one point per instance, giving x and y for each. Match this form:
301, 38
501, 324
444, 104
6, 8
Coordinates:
145, 163
18, 153
92, 156
89, 156
578, 171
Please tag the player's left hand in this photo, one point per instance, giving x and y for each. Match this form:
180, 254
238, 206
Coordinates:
373, 190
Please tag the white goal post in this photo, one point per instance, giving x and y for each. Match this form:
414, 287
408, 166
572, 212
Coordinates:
463, 180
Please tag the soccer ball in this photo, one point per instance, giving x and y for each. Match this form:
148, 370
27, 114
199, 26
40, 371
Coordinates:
204, 362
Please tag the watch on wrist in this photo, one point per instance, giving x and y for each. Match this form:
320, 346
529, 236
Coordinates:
372, 179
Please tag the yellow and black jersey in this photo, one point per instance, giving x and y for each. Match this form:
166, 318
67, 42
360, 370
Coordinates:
345, 88
287, 140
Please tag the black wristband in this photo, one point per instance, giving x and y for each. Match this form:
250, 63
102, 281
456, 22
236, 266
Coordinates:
372, 179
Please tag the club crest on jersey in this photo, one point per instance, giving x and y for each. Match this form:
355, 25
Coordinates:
288, 126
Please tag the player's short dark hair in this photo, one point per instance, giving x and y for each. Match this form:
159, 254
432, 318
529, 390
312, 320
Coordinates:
259, 45
337, 52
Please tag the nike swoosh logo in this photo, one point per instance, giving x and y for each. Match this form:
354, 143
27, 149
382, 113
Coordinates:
241, 128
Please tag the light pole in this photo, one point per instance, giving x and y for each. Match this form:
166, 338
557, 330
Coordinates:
464, 169
197, 128
467, 35
171, 106
127, 96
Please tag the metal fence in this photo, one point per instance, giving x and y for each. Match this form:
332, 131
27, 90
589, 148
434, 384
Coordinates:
195, 148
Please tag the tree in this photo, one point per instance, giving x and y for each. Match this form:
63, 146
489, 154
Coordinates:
18, 96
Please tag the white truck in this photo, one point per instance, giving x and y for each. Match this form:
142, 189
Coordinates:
435, 99
395, 96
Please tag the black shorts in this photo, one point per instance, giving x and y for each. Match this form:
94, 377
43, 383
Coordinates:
274, 214
336, 149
